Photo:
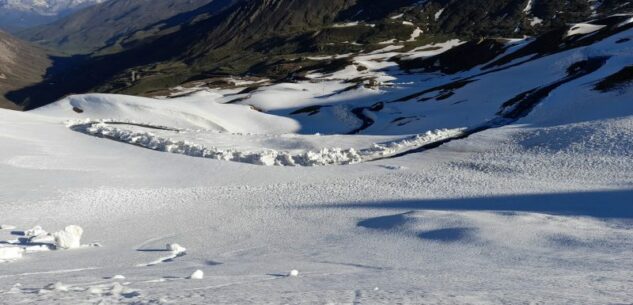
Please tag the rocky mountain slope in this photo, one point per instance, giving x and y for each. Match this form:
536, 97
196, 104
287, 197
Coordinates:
104, 25
21, 64
20, 14
278, 38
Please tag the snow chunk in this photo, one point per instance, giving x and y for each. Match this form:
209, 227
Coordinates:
325, 156
7, 227
42, 239
17, 288
176, 248
69, 238
35, 231
293, 273
197, 275
95, 290
59, 286
10, 253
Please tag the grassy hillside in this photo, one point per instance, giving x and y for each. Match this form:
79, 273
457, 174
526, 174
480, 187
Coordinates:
276, 38
21, 65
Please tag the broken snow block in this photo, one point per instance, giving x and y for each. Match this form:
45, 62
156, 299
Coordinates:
176, 248
69, 238
35, 231
10, 253
197, 275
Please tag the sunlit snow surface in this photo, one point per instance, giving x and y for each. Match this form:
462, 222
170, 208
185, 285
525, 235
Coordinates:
536, 209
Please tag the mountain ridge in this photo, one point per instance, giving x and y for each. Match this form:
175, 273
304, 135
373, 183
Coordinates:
276, 38
16, 15
21, 64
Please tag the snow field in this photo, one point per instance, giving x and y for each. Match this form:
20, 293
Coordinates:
535, 211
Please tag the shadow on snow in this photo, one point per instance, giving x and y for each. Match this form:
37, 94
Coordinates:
599, 204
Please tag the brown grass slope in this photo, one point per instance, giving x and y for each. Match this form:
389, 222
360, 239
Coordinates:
21, 65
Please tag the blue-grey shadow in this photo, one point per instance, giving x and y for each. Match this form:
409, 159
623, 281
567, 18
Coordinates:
384, 222
599, 204
448, 235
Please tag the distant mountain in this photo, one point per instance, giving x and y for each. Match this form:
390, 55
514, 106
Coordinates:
21, 14
273, 38
46, 7
102, 26
21, 64
139, 53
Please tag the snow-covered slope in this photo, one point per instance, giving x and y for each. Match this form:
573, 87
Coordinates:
527, 200
372, 96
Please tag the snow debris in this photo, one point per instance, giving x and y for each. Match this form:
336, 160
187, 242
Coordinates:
10, 253
197, 275
176, 248
267, 157
37, 239
391, 148
36, 248
69, 238
114, 289
42, 239
95, 290
16, 288
326, 156
293, 273
35, 231
58, 286
118, 277
7, 227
